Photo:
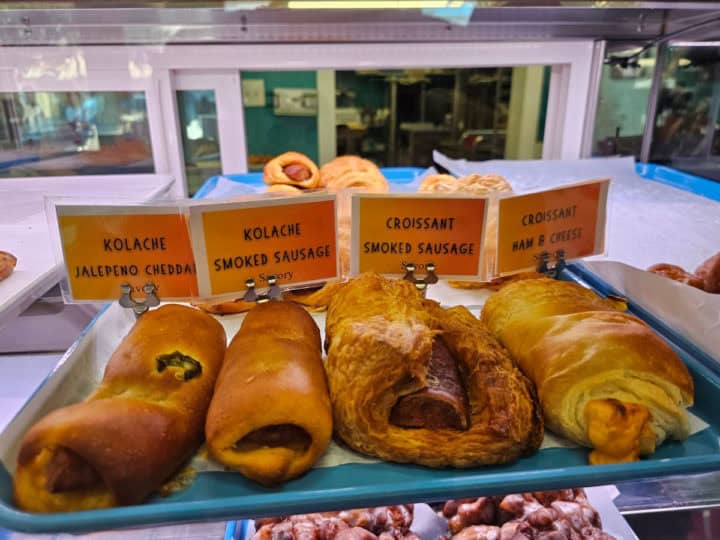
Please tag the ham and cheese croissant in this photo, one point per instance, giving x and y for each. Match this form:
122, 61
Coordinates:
270, 417
136, 429
291, 169
412, 382
604, 378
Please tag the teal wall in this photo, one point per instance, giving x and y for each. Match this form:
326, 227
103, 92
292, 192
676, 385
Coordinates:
271, 134
370, 91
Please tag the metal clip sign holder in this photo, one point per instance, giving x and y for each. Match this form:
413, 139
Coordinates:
273, 291
421, 284
138, 306
544, 263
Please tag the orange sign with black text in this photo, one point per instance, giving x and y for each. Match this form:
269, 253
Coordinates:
106, 246
292, 238
571, 219
390, 231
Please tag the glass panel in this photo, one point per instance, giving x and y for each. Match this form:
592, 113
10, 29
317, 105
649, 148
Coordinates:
398, 117
199, 126
74, 133
622, 106
686, 123
280, 114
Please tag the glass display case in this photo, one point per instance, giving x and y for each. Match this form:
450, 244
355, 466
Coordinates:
192, 90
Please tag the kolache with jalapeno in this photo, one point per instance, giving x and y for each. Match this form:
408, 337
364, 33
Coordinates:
136, 429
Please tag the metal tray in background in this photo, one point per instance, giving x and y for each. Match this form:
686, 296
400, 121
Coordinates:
220, 495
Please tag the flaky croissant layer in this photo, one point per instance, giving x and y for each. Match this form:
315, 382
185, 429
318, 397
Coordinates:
379, 336
595, 368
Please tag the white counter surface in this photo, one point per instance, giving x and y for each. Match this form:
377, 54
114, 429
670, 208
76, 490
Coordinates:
24, 231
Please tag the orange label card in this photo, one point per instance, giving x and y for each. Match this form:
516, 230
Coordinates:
570, 218
390, 231
107, 246
292, 238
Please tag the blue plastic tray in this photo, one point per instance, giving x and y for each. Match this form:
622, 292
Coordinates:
216, 495
679, 179
394, 175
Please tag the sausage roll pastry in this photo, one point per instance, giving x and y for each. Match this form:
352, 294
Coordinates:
412, 382
270, 417
604, 378
136, 429
292, 169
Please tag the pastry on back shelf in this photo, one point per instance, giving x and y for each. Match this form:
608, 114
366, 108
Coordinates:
604, 378
270, 417
352, 172
136, 429
480, 185
709, 273
706, 276
292, 169
7, 264
676, 273
413, 382
564, 514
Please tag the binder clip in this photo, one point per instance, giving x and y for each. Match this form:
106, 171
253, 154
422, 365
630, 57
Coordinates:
273, 291
421, 284
138, 306
544, 263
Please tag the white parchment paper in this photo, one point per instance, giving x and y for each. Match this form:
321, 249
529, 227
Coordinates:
82, 368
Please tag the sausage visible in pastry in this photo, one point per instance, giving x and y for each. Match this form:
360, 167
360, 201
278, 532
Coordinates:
270, 417
293, 169
379, 336
136, 429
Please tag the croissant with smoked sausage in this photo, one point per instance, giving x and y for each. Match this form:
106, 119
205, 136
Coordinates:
136, 429
413, 382
604, 378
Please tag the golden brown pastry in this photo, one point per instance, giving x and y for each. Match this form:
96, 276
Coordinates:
352, 172
677, 273
346, 175
7, 264
709, 273
136, 429
292, 169
412, 382
285, 189
270, 417
604, 378
476, 184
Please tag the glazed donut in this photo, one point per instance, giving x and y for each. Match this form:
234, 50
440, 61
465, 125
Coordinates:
677, 273
709, 273
293, 169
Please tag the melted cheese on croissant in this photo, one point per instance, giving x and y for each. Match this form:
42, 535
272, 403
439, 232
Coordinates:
618, 431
